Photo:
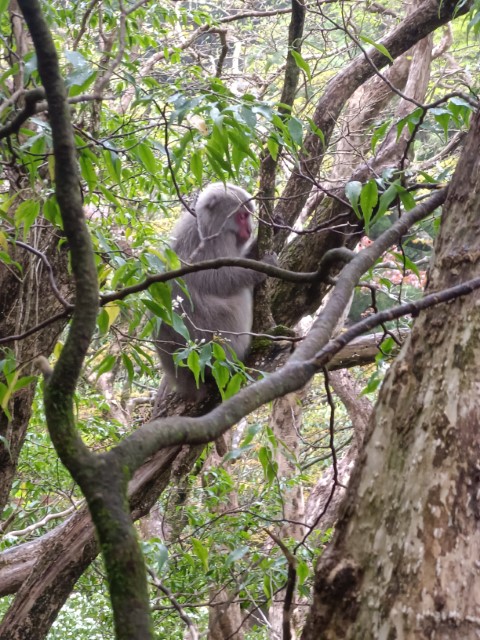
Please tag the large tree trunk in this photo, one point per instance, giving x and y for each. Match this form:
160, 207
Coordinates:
404, 559
27, 299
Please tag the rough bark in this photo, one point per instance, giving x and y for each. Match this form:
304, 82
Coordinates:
286, 422
27, 299
403, 562
225, 618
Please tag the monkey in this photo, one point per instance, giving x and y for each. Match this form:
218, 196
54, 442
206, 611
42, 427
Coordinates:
221, 300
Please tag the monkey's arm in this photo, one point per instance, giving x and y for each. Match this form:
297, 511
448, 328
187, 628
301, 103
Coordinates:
227, 281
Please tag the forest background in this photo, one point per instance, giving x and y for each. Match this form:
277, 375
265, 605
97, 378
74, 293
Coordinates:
356, 126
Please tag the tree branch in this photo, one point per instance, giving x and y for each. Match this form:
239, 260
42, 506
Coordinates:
429, 16
301, 366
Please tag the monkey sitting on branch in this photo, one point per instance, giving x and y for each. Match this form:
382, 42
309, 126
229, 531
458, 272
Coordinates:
221, 300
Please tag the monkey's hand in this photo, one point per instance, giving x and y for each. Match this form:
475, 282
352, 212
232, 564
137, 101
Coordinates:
257, 276
270, 258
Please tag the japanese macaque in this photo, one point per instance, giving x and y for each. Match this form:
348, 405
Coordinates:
221, 299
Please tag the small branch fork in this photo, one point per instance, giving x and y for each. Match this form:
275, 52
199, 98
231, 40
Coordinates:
33, 104
289, 587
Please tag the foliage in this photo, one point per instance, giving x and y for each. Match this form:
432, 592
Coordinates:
157, 113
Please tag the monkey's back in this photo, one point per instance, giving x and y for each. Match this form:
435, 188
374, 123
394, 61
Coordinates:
219, 304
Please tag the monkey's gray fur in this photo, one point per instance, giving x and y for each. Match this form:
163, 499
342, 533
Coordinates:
221, 299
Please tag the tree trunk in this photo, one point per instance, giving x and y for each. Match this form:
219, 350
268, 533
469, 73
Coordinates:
404, 559
27, 299
286, 423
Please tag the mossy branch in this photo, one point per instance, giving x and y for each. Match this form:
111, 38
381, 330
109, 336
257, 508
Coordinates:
104, 483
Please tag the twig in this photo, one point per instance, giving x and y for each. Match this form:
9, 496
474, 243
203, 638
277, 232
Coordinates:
31, 99
223, 53
41, 523
104, 79
37, 327
169, 162
331, 426
289, 587
51, 277
194, 635
83, 24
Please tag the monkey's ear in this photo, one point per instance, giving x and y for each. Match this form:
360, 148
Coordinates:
214, 197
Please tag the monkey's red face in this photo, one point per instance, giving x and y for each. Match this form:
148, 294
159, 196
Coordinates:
244, 225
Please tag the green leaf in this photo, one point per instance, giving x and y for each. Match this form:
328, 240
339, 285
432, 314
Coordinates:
269, 466
201, 552
268, 587
123, 274
378, 46
109, 195
3, 5
106, 365
113, 165
368, 200
23, 382
352, 191
161, 556
248, 116
6, 259
82, 71
4, 399
127, 363
234, 454
303, 571
30, 65
387, 346
316, 130
205, 355
409, 264
272, 146
474, 24
250, 435
379, 133
372, 385
51, 211
26, 214
193, 362
411, 121
162, 292
146, 157
179, 325
386, 200
235, 555
88, 172
301, 63
295, 129
103, 322
218, 352
196, 165
443, 118
158, 310
407, 199
221, 375
234, 385
173, 261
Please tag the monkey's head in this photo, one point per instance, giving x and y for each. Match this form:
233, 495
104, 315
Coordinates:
225, 211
